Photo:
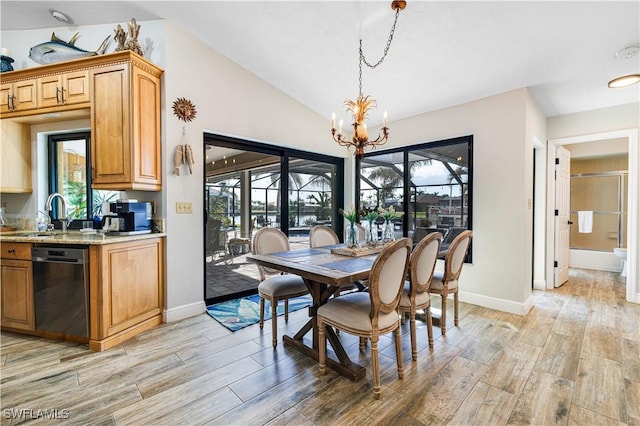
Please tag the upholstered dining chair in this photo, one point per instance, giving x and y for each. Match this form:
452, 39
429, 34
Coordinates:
322, 235
370, 314
446, 282
415, 294
275, 285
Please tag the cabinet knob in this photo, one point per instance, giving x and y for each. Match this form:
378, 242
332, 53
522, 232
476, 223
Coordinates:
11, 251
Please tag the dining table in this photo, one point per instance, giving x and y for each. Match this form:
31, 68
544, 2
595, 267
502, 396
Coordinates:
323, 272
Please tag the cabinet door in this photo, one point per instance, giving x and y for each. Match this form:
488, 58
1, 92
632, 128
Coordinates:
131, 286
50, 91
25, 95
146, 130
5, 97
17, 294
19, 96
76, 87
15, 157
111, 130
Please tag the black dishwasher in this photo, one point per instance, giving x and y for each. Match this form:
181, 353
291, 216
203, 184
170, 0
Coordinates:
61, 289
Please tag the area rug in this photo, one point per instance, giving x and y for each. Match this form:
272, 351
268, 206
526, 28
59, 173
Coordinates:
240, 313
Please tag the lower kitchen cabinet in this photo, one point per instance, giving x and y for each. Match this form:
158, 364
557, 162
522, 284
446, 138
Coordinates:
17, 287
127, 290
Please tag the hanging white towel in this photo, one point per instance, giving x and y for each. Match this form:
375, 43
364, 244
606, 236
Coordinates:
585, 221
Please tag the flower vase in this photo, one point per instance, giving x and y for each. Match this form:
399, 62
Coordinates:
371, 234
387, 231
351, 235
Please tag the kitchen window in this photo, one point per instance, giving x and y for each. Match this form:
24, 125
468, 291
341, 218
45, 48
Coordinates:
70, 175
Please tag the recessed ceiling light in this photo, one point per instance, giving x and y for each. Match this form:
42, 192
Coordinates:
59, 16
627, 53
624, 81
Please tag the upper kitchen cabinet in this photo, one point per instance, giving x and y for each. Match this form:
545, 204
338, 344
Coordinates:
18, 96
125, 124
63, 89
121, 93
15, 158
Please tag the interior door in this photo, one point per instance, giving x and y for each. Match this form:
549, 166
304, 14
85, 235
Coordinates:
562, 212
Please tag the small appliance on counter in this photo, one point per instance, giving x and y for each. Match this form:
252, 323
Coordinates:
128, 217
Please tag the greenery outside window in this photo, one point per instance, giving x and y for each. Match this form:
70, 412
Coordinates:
70, 175
431, 183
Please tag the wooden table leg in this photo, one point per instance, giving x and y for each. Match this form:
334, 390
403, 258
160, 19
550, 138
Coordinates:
344, 366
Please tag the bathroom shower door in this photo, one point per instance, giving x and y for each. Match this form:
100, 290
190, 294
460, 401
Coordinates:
562, 212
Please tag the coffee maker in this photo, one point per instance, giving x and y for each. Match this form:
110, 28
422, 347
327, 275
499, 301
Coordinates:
129, 217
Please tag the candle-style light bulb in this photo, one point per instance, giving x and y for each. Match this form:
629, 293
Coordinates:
340, 129
333, 120
385, 118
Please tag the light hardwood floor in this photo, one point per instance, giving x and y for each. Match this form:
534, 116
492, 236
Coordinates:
574, 359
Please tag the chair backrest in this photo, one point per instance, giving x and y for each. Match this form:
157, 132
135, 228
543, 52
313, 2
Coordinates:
423, 263
213, 238
455, 255
452, 234
266, 241
387, 276
322, 235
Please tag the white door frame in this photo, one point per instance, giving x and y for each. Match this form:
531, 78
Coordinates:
633, 226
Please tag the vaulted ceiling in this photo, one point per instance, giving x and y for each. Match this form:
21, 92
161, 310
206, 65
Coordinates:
443, 53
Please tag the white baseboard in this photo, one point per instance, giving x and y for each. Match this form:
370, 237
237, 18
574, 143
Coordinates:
540, 284
497, 304
184, 311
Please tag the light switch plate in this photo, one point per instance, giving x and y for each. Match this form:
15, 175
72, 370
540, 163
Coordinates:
184, 207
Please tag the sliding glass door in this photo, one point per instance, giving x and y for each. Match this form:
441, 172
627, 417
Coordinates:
245, 191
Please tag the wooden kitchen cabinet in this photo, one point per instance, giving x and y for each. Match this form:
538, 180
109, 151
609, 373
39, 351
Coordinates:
15, 158
17, 287
120, 90
125, 123
127, 290
18, 96
63, 89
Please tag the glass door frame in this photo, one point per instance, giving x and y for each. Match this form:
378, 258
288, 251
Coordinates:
405, 150
285, 154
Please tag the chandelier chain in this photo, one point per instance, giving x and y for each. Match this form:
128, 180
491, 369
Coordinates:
386, 49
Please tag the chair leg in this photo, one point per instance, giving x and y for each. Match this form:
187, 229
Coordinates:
455, 308
398, 337
443, 315
261, 313
412, 326
363, 342
322, 346
274, 322
286, 309
427, 312
375, 362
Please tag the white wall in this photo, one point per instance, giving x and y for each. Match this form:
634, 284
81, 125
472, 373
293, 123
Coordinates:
230, 101
503, 127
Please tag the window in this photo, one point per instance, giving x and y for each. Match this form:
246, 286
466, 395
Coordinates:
430, 182
70, 175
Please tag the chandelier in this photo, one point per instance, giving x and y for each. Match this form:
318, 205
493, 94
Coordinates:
363, 103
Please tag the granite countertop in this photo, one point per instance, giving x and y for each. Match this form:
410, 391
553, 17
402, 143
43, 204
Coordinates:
72, 237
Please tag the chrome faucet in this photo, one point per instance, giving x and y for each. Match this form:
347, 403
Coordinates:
63, 215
